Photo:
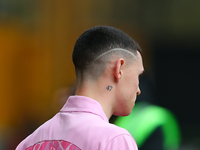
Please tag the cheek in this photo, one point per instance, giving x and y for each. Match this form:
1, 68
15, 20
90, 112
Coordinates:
134, 89
134, 84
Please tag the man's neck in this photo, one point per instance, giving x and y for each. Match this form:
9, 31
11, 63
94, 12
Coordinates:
99, 92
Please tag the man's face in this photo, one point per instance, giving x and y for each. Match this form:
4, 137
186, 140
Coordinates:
129, 86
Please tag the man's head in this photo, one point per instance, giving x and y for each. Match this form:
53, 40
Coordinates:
108, 55
96, 45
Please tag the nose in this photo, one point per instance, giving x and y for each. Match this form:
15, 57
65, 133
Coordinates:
138, 91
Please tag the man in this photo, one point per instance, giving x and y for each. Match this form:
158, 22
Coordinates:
108, 64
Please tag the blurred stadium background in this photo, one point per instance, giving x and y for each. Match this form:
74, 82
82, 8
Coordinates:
37, 39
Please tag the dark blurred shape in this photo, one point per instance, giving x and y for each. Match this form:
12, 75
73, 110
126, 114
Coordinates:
177, 82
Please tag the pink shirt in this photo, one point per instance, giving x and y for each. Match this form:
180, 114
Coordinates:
80, 125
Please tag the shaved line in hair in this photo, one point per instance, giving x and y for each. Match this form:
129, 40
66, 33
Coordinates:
115, 49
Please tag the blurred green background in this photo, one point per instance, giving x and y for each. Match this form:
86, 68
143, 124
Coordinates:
37, 39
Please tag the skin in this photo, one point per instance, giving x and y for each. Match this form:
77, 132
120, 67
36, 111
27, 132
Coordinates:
127, 87
116, 90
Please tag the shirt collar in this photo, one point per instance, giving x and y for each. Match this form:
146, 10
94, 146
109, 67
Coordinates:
84, 104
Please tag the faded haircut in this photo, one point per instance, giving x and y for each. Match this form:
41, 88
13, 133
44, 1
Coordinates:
96, 46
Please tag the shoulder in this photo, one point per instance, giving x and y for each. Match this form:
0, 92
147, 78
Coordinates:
105, 127
116, 130
114, 137
35, 137
121, 141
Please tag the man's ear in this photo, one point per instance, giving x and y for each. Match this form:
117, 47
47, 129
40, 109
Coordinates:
118, 69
